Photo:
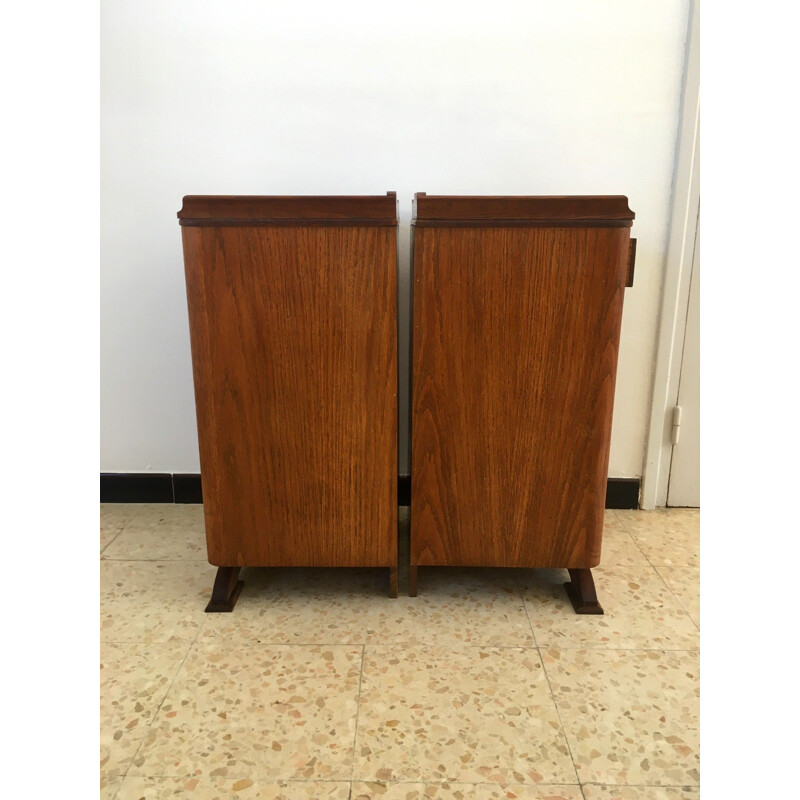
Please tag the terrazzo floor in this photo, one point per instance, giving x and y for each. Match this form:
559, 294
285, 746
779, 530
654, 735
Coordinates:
318, 685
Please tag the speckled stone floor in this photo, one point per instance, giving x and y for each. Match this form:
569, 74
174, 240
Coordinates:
485, 686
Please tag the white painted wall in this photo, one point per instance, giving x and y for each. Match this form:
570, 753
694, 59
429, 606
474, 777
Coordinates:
240, 97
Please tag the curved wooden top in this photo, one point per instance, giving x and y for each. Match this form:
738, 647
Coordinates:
518, 210
235, 210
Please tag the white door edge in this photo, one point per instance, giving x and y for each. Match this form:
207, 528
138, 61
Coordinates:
675, 284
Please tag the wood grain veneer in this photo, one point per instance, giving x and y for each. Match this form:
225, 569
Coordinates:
294, 346
515, 341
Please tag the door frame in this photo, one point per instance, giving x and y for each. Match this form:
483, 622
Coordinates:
684, 460
677, 277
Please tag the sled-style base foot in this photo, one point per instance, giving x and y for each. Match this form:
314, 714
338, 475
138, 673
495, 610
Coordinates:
227, 588
393, 581
412, 581
581, 592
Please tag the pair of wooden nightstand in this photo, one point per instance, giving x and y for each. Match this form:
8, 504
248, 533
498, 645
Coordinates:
517, 306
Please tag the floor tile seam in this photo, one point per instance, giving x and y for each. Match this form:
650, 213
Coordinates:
560, 720
241, 776
644, 785
126, 521
358, 711
539, 646
621, 518
527, 612
578, 647
691, 650
109, 543
145, 641
202, 625
432, 782
466, 783
647, 558
376, 780
462, 782
407, 646
633, 538
633, 541
661, 577
569, 746
216, 641
230, 638
139, 641
671, 591
635, 544
600, 783
410, 645
155, 560
353, 645
171, 527
163, 700
400, 782
267, 779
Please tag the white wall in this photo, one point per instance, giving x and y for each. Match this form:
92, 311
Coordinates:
237, 97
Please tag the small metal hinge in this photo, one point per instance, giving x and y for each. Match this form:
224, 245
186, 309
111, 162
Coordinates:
631, 262
676, 424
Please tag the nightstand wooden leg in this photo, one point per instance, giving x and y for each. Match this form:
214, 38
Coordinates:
227, 588
392, 581
412, 581
581, 592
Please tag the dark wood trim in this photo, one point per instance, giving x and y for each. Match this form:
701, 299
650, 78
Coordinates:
581, 592
236, 210
288, 223
140, 487
555, 211
631, 262
404, 490
413, 574
520, 223
226, 591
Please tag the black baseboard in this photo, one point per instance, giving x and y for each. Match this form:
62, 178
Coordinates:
148, 487
622, 493
136, 487
187, 488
